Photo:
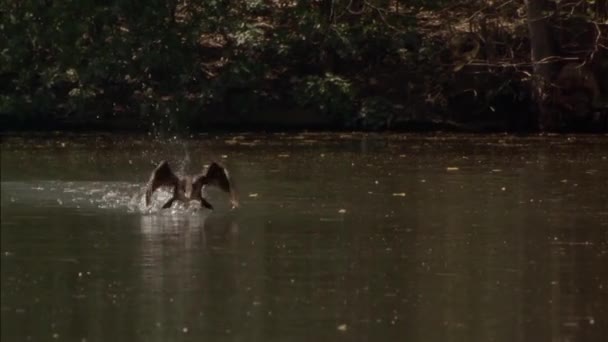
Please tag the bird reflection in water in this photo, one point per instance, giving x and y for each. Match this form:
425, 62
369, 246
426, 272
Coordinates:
190, 227
185, 260
176, 249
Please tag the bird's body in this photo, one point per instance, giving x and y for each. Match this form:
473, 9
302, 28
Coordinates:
189, 188
184, 190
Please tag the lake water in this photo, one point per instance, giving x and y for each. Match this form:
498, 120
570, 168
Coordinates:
339, 237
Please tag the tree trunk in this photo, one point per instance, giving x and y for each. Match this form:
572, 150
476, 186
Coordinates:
542, 47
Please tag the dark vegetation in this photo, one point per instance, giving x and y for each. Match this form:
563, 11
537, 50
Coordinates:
329, 64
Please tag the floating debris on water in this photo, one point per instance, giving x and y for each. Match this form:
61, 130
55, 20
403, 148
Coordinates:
398, 194
342, 211
452, 168
342, 327
253, 195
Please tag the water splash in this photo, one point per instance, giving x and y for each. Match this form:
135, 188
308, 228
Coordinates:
185, 162
124, 196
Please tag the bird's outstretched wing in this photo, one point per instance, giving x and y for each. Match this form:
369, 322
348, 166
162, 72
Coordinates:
218, 176
161, 176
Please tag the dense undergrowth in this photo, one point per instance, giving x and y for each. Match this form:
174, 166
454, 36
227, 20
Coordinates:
346, 64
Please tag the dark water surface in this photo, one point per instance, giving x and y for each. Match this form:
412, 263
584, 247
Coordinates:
339, 237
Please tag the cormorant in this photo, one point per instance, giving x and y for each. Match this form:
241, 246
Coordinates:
189, 188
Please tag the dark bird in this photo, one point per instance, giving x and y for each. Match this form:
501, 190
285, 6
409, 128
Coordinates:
189, 188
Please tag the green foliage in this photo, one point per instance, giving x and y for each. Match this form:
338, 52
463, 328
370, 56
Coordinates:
375, 113
164, 62
248, 37
329, 94
173, 62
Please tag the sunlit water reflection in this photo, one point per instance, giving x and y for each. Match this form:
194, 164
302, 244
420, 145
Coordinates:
339, 237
